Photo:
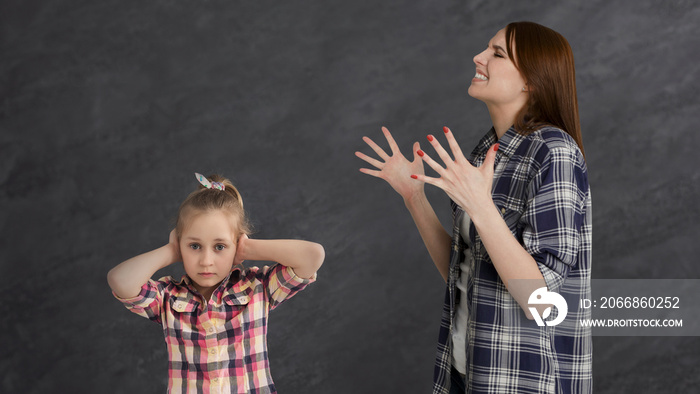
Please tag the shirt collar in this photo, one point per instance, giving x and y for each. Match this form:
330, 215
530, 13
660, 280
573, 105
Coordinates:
507, 144
225, 291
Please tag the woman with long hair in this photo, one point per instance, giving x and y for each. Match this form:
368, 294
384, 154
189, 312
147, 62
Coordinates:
521, 224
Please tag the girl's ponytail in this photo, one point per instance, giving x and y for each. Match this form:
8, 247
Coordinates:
215, 192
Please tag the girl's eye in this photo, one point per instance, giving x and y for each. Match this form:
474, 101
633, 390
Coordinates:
497, 55
220, 247
195, 246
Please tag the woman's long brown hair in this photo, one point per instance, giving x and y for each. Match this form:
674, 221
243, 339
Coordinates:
546, 62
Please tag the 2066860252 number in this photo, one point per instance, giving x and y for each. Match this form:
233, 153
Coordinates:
640, 302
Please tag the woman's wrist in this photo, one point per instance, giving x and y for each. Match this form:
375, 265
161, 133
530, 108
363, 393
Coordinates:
416, 199
485, 214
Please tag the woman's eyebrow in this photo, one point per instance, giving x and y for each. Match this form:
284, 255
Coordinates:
498, 48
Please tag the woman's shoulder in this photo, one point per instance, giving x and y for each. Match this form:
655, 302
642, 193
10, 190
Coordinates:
553, 143
552, 137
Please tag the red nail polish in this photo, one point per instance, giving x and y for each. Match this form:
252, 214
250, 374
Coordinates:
445, 129
430, 137
414, 176
420, 153
495, 148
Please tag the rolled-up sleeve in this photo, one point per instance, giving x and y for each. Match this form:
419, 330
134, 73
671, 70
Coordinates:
282, 283
554, 214
148, 303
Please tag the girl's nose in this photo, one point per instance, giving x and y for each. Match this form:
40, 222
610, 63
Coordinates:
207, 259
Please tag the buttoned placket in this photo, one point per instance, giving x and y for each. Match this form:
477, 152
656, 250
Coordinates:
237, 321
211, 344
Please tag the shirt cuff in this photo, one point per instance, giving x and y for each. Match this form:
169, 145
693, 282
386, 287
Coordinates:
291, 277
552, 279
141, 300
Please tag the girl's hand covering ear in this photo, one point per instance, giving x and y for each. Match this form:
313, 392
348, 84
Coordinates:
241, 249
394, 169
174, 243
468, 186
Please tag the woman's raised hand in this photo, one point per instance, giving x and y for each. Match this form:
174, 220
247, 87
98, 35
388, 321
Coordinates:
468, 186
394, 169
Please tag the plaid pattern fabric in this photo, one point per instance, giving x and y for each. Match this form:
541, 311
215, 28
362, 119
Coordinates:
541, 189
218, 346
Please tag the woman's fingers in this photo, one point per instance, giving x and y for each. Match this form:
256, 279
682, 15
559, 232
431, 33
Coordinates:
392, 144
429, 180
416, 148
454, 146
490, 160
432, 163
440, 150
376, 148
370, 160
374, 173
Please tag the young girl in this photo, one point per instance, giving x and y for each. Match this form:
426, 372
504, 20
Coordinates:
521, 221
215, 317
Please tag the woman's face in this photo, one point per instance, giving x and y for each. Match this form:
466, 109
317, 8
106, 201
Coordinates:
497, 82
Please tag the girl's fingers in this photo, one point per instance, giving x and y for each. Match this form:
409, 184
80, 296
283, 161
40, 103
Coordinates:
374, 173
454, 146
440, 150
392, 144
376, 148
370, 160
432, 163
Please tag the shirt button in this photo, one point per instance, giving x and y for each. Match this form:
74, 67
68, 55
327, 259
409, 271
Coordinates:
211, 329
503, 210
212, 351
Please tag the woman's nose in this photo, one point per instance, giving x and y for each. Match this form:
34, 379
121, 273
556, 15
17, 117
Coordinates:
479, 58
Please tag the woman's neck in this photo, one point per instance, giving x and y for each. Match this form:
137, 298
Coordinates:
502, 118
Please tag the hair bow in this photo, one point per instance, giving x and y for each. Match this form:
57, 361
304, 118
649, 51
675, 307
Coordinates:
209, 185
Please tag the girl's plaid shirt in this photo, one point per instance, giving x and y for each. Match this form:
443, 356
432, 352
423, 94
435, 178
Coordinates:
218, 346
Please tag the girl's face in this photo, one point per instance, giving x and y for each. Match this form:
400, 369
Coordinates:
497, 82
208, 248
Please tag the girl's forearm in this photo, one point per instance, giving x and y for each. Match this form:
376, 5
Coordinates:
436, 239
509, 257
303, 256
127, 278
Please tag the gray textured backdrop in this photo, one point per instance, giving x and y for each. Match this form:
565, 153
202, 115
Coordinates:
108, 107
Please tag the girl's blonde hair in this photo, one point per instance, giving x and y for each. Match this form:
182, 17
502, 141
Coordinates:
204, 199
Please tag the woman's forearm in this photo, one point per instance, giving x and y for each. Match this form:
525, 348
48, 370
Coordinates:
303, 256
436, 239
509, 257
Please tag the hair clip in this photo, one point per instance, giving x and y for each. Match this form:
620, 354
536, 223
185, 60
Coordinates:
209, 185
